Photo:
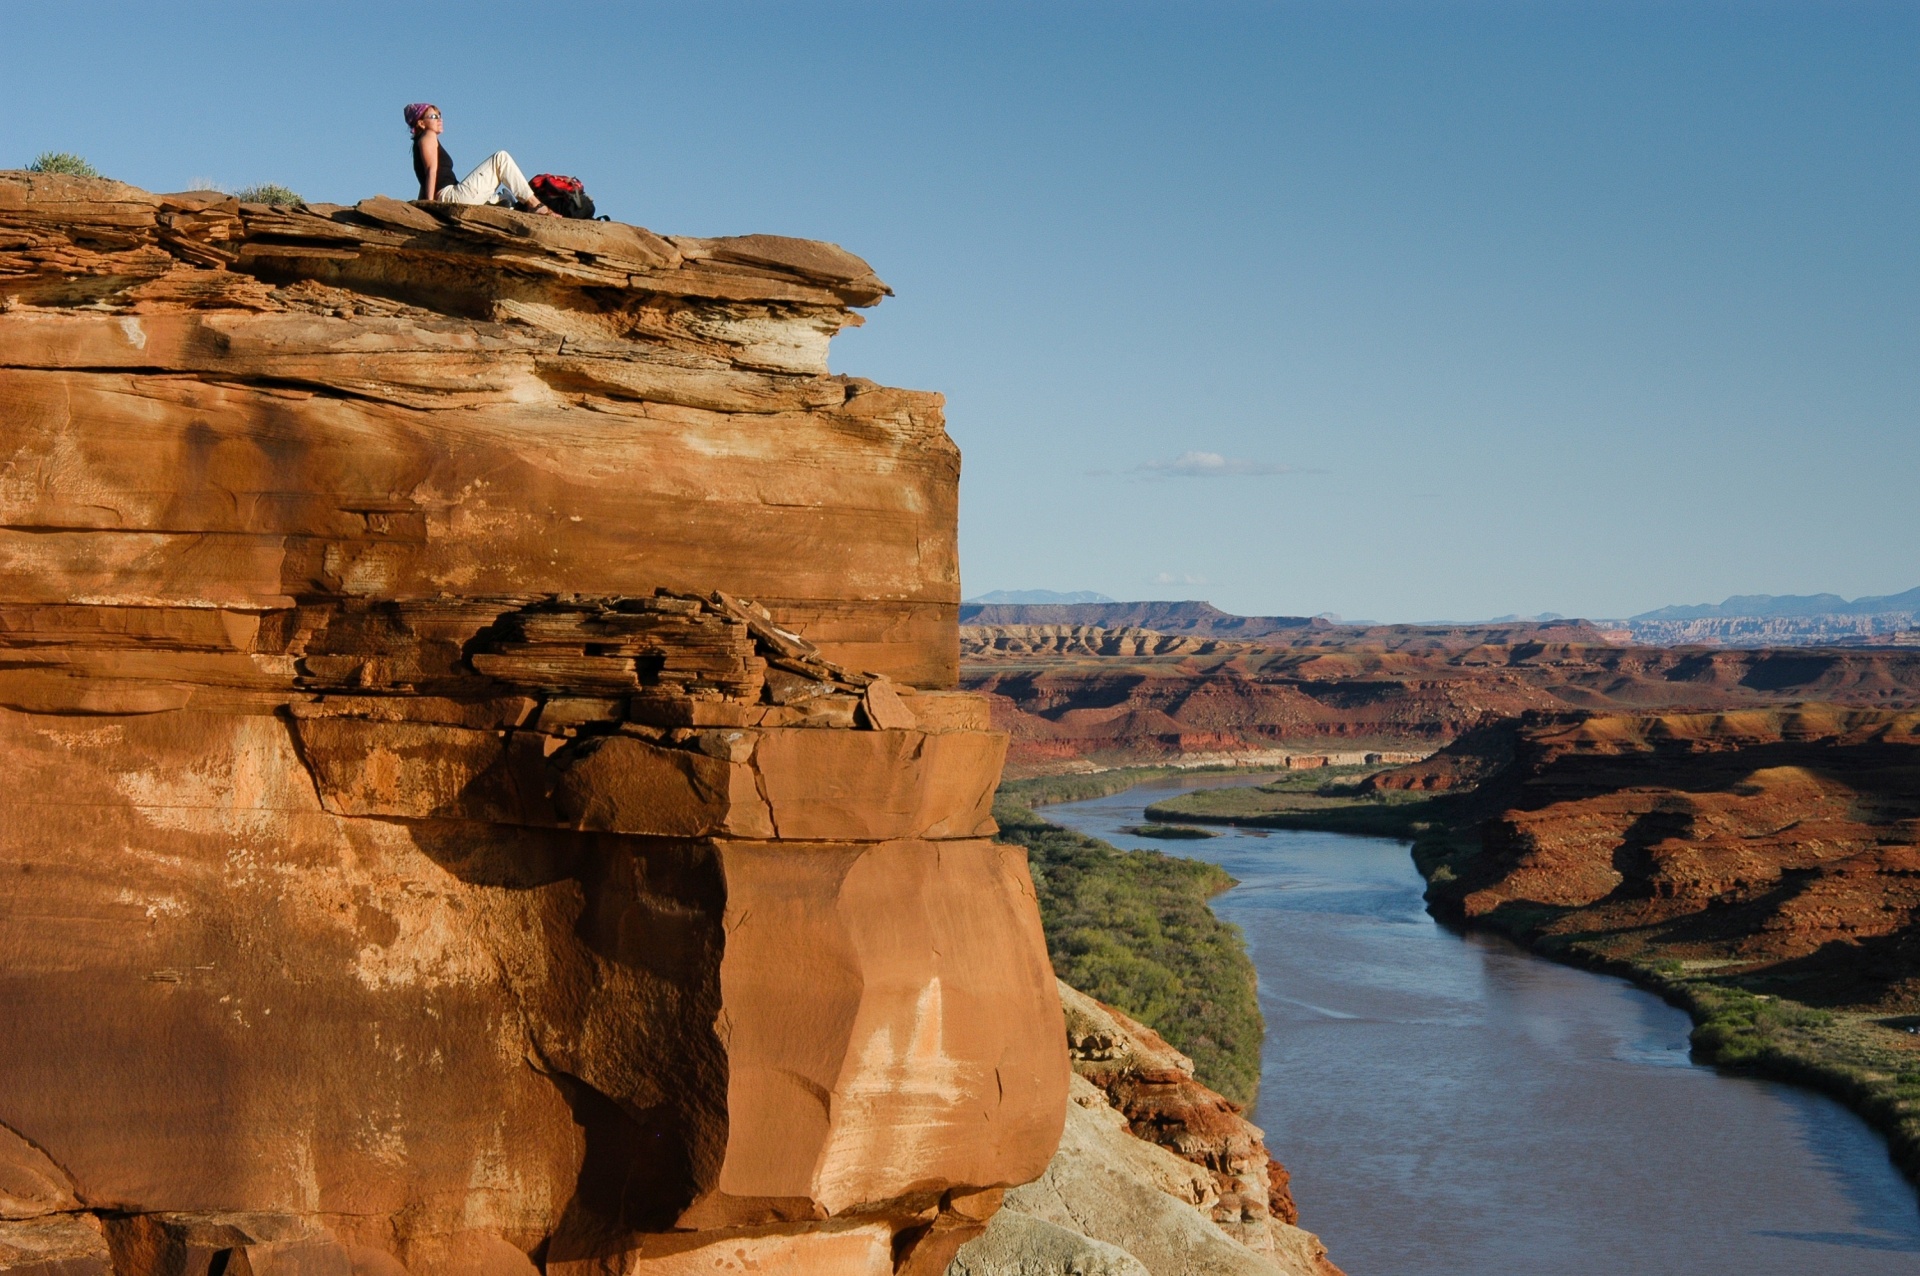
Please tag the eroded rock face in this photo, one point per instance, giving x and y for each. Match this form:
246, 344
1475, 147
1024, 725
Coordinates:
483, 790
1780, 841
1071, 694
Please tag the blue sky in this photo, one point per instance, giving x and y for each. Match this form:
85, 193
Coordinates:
1391, 310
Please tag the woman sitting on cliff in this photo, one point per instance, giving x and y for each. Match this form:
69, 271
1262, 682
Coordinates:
435, 168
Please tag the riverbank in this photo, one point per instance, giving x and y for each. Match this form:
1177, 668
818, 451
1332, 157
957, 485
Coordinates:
1476, 861
1133, 928
1424, 1084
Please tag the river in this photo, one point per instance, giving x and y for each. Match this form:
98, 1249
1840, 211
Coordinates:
1451, 1104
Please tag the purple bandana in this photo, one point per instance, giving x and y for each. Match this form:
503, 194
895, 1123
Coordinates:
415, 111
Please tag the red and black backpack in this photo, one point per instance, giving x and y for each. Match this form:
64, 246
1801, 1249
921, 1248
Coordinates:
564, 195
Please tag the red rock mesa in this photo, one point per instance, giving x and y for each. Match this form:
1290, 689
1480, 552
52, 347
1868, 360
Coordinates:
1073, 696
1783, 843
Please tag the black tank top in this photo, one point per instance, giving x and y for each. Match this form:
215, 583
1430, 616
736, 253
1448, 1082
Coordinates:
449, 175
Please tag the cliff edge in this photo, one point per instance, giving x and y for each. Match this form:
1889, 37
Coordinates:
487, 791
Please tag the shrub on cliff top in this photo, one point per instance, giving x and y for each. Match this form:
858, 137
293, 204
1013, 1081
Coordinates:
1133, 929
268, 193
62, 162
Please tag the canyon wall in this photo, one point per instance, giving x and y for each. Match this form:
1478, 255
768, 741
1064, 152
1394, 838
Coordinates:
1074, 696
485, 790
1779, 842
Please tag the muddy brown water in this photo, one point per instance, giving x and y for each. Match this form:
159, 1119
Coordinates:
1451, 1104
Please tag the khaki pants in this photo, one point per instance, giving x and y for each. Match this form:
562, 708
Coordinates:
482, 185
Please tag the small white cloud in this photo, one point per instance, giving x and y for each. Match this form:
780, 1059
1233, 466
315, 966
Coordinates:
1179, 578
1211, 465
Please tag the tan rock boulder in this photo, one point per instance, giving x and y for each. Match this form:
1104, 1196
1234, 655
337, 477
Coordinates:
1106, 1184
1017, 1244
921, 1068
55, 1245
853, 1250
1154, 1087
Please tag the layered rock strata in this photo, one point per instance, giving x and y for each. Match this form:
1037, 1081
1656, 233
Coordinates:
1785, 841
486, 794
1072, 696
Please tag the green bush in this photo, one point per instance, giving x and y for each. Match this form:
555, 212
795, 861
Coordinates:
1044, 789
268, 193
62, 162
1739, 1029
1175, 832
1133, 929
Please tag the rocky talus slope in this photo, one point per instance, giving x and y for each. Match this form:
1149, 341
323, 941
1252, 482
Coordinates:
1156, 1175
485, 790
1074, 695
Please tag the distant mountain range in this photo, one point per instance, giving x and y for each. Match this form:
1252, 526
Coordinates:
1203, 620
1031, 597
1784, 620
1750, 620
1198, 618
1772, 606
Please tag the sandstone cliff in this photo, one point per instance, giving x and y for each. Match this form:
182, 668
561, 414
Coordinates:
1785, 840
485, 794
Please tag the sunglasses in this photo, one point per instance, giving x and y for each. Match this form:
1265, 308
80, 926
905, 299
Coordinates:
431, 115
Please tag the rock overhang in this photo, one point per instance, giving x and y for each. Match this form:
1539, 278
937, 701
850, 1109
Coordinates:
483, 402
102, 242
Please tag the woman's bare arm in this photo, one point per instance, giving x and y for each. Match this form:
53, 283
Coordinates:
430, 152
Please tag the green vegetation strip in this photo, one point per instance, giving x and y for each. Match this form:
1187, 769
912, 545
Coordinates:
1169, 832
1300, 799
1133, 929
1046, 789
